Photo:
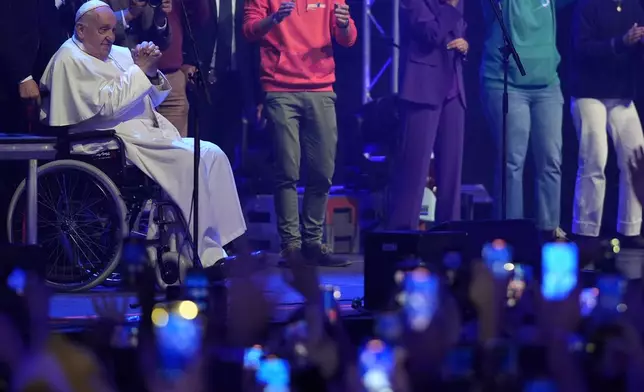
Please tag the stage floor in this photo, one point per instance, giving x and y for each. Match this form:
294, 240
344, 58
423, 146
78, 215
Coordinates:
75, 310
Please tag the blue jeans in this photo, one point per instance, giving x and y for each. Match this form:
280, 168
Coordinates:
535, 117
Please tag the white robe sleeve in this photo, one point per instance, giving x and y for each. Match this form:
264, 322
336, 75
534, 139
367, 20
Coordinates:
79, 91
160, 91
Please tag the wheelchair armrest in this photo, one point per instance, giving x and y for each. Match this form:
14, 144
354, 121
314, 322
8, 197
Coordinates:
82, 136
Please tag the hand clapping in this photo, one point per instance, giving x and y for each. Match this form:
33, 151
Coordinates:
146, 55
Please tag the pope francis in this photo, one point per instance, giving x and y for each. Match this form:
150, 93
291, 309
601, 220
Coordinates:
95, 85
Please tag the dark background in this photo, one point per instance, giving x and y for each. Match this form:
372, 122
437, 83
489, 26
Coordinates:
479, 150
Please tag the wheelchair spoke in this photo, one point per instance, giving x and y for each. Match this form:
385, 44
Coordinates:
79, 224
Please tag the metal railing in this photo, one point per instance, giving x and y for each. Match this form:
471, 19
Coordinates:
369, 22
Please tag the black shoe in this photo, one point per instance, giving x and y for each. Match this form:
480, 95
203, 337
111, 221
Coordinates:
218, 272
287, 255
321, 255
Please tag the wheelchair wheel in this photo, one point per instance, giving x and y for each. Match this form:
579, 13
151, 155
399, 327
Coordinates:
82, 222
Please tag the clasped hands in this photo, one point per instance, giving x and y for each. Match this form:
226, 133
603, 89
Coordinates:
146, 55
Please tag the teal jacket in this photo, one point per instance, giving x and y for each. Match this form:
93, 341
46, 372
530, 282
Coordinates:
532, 25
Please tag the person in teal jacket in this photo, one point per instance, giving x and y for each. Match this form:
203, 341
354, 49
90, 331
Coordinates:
535, 105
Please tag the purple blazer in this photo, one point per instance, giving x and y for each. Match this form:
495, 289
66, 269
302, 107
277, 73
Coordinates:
428, 68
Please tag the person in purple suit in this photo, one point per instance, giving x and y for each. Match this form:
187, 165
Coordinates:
432, 110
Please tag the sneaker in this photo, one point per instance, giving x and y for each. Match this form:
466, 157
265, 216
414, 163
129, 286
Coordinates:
322, 256
287, 254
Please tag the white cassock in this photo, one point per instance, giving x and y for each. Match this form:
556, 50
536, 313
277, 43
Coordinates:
90, 94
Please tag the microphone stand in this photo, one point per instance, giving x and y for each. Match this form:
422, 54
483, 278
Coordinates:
507, 50
201, 85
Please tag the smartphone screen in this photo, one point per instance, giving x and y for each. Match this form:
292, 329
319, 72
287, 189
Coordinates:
611, 291
377, 362
178, 330
498, 257
16, 280
421, 298
560, 265
197, 288
588, 300
274, 374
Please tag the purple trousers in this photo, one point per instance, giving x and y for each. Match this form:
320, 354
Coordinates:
425, 129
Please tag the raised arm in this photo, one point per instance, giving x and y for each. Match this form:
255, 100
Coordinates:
344, 35
78, 92
430, 26
257, 21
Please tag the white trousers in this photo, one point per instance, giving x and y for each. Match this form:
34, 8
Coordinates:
595, 119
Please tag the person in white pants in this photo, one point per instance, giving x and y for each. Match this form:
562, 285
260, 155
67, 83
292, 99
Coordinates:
592, 118
607, 58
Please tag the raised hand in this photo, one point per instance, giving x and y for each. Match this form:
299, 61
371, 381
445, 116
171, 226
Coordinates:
342, 15
146, 55
285, 10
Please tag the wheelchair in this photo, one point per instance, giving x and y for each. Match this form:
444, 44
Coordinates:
89, 204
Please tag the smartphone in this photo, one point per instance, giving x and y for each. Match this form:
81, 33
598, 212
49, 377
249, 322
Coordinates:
274, 374
497, 255
611, 292
197, 288
329, 296
521, 276
253, 357
560, 264
421, 298
17, 280
588, 300
178, 329
377, 362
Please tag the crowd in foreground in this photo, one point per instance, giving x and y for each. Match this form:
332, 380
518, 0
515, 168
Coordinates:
504, 329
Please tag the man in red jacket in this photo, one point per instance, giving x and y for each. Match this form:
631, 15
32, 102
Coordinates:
297, 73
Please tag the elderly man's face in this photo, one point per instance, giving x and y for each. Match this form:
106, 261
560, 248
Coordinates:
96, 31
